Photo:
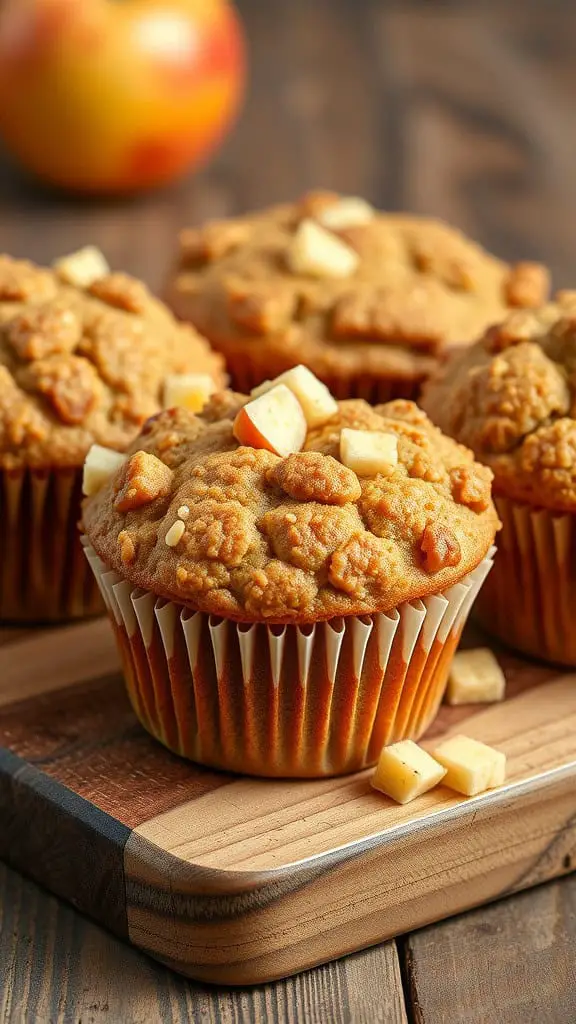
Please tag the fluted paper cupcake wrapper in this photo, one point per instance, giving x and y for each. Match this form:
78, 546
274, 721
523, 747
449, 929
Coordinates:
246, 375
304, 701
529, 601
43, 571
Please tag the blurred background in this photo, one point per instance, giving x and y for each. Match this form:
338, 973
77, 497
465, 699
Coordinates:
463, 110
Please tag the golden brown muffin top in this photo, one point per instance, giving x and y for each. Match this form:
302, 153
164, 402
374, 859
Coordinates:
417, 286
83, 364
240, 532
512, 399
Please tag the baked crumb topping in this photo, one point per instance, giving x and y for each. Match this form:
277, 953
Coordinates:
355, 289
241, 532
83, 363
511, 398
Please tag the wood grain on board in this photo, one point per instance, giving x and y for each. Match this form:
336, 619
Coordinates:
85, 734
243, 880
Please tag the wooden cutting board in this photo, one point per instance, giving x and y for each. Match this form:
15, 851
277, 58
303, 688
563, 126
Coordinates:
237, 880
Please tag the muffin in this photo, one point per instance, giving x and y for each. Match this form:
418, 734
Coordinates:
85, 356
288, 578
512, 399
368, 301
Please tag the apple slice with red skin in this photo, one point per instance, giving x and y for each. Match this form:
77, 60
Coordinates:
274, 421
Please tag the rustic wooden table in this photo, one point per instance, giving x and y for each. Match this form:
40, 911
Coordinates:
463, 110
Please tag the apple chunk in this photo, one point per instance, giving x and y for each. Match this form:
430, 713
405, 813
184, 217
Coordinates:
82, 268
274, 421
405, 771
475, 678
101, 463
314, 397
189, 390
471, 767
348, 212
368, 452
316, 253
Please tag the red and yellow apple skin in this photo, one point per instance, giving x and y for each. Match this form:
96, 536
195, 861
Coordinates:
112, 96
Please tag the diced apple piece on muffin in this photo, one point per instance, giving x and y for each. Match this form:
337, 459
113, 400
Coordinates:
406, 771
471, 767
475, 678
274, 421
101, 463
82, 268
188, 390
317, 403
314, 252
369, 452
347, 212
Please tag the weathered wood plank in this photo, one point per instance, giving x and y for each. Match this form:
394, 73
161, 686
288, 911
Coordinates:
481, 99
57, 968
458, 110
513, 962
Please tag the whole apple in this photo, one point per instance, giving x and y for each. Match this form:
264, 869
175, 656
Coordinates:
114, 96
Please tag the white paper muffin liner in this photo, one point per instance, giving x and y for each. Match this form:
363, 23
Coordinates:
530, 599
303, 701
43, 572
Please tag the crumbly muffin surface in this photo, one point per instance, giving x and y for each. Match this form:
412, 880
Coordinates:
512, 399
79, 366
419, 286
243, 533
